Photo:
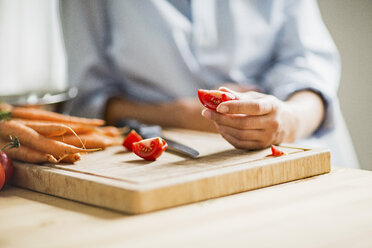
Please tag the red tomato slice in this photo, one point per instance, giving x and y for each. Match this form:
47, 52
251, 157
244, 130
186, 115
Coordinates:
212, 98
150, 149
7, 165
276, 152
132, 137
2, 176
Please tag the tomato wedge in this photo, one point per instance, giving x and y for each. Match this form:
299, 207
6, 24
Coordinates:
2, 176
150, 149
276, 152
132, 137
212, 98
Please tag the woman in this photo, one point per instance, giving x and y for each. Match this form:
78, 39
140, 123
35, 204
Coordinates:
146, 60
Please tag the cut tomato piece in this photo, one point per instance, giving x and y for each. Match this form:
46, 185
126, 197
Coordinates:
149, 149
132, 137
212, 98
276, 152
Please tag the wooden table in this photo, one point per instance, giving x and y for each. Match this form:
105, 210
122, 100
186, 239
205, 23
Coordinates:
331, 210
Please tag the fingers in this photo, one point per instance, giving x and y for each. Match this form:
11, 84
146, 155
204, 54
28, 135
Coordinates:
242, 144
258, 106
249, 103
237, 94
231, 87
248, 139
249, 132
254, 121
225, 89
240, 121
241, 134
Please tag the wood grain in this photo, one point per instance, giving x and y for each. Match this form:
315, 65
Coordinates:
331, 210
118, 180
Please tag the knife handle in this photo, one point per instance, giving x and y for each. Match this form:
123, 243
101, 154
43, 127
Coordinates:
146, 131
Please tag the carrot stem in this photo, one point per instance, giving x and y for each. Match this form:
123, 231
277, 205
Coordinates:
14, 143
5, 115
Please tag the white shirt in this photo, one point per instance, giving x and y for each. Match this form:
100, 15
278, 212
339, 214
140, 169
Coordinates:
160, 50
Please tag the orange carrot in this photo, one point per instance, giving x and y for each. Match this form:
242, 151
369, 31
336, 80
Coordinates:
91, 140
110, 131
46, 129
40, 114
70, 158
80, 128
26, 154
5, 107
29, 137
76, 127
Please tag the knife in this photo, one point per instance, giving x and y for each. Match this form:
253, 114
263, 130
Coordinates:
150, 131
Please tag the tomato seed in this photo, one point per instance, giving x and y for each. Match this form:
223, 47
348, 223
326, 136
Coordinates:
215, 100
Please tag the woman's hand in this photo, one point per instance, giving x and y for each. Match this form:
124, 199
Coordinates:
258, 120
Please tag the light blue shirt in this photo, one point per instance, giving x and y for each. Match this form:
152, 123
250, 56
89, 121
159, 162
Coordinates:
160, 50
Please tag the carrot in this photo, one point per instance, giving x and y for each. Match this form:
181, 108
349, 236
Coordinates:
40, 114
5, 107
84, 129
29, 137
26, 154
46, 129
91, 140
49, 129
110, 131
80, 128
76, 127
70, 158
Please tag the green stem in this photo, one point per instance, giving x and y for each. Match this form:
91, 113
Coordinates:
5, 115
14, 143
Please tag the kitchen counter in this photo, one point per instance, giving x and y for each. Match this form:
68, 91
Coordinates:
331, 210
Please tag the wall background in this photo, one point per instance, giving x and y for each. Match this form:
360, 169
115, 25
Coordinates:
32, 57
350, 24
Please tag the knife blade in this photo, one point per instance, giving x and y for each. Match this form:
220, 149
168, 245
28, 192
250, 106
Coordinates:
150, 131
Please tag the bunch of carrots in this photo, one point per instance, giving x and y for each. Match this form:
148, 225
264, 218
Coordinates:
49, 137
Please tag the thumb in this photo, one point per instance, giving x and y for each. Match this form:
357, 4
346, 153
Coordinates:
235, 93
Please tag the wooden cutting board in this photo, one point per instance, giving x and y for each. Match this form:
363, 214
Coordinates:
119, 180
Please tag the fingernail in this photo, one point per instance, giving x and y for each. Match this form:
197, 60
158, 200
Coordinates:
222, 109
205, 113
